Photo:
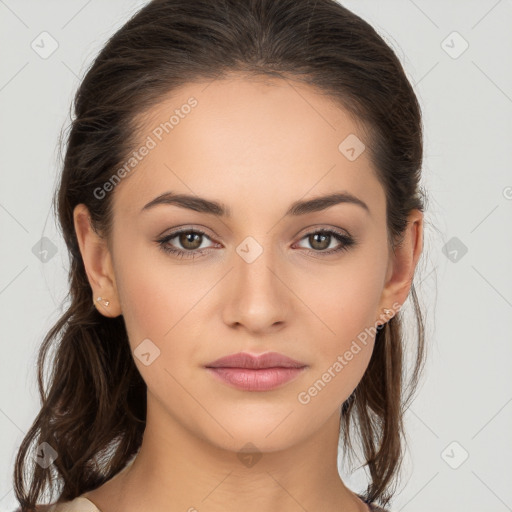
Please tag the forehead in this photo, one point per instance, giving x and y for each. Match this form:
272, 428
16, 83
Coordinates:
243, 137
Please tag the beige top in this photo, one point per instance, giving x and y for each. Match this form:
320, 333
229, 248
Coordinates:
79, 504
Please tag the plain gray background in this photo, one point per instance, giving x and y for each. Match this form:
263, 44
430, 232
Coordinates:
457, 56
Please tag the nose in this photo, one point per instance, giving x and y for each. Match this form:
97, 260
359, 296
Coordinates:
258, 295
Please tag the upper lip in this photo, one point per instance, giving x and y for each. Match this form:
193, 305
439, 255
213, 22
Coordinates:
246, 360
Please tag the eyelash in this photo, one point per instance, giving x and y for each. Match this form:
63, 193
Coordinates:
346, 243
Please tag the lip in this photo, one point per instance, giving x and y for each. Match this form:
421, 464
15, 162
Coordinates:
255, 362
255, 373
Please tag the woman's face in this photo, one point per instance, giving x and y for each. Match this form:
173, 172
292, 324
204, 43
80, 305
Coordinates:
258, 280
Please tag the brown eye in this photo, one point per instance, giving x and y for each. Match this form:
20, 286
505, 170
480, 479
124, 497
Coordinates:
190, 240
185, 243
318, 241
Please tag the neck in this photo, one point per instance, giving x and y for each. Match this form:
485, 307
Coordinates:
178, 470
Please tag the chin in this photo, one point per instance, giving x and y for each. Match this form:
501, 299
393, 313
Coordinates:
265, 434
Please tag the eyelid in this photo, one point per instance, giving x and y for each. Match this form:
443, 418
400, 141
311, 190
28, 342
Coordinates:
315, 228
187, 227
180, 230
308, 230
344, 239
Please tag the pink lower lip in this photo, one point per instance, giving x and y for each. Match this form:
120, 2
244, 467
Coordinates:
249, 379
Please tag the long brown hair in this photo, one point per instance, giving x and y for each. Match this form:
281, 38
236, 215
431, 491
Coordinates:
93, 410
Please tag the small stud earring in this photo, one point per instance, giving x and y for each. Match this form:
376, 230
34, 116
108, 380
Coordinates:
105, 302
386, 312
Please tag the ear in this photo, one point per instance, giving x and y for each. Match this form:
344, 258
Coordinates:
402, 264
98, 264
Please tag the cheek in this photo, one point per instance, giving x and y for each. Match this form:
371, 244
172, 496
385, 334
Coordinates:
154, 292
162, 302
344, 300
345, 297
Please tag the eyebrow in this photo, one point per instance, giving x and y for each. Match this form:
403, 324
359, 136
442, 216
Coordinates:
301, 207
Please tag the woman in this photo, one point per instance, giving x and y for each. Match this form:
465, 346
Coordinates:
241, 202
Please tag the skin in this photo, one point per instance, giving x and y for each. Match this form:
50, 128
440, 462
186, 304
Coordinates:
266, 144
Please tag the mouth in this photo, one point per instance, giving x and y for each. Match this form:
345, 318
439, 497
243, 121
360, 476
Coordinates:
256, 373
